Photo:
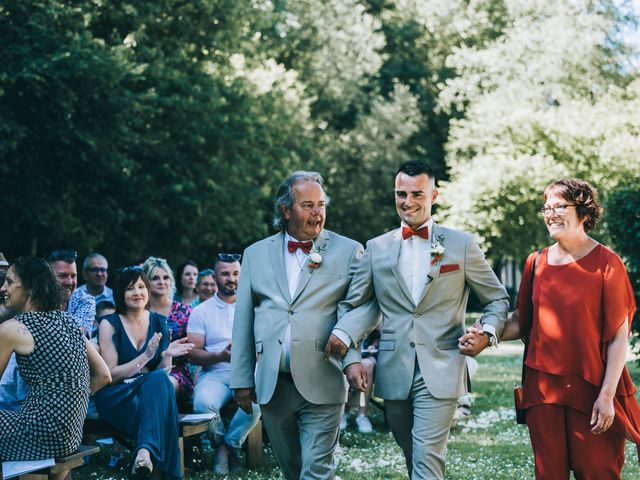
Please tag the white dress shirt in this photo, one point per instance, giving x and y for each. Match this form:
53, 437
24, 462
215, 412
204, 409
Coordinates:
414, 262
294, 264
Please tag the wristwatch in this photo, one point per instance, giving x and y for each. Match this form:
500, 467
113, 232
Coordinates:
493, 341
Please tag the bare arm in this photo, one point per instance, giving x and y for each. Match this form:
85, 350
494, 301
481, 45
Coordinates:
603, 412
199, 356
110, 354
100, 374
14, 337
512, 327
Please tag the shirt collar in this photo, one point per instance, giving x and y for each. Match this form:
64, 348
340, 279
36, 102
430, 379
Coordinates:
428, 223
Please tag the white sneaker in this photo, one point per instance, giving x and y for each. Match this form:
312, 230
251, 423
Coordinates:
363, 425
343, 422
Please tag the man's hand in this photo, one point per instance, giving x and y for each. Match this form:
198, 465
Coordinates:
244, 397
357, 377
335, 345
225, 355
474, 341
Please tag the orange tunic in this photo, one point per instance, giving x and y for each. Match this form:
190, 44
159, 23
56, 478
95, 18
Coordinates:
577, 308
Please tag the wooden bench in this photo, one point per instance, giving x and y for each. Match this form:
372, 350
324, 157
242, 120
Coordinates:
61, 465
253, 444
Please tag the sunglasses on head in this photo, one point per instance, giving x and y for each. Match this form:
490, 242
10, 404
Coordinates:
229, 257
134, 268
70, 255
205, 272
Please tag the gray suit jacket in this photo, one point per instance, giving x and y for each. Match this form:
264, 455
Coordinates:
428, 331
264, 308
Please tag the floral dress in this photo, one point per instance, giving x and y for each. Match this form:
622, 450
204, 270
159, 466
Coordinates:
177, 322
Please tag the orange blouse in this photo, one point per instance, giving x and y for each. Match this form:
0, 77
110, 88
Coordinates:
577, 309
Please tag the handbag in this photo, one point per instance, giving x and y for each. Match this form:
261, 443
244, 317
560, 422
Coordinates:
518, 392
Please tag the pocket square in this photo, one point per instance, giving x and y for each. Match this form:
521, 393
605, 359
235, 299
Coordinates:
449, 268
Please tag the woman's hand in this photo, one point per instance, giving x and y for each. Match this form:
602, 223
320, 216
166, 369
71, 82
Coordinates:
152, 346
602, 414
178, 348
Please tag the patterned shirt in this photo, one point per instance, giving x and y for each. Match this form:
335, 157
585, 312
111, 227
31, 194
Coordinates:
82, 307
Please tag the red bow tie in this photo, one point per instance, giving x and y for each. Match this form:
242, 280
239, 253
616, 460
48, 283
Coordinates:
409, 232
304, 246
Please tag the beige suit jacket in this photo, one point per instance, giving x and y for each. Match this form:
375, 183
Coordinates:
428, 331
264, 308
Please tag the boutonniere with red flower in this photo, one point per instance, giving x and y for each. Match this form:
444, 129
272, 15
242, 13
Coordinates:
436, 250
315, 259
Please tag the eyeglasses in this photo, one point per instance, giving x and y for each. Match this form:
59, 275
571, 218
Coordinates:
229, 257
557, 210
134, 268
56, 255
97, 270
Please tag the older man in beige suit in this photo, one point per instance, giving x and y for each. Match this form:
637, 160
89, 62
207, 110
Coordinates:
287, 305
420, 275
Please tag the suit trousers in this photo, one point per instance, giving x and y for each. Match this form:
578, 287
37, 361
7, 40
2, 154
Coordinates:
421, 424
562, 440
303, 435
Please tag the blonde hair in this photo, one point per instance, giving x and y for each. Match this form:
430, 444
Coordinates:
152, 264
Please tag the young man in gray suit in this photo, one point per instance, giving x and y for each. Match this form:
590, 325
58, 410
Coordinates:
287, 305
420, 275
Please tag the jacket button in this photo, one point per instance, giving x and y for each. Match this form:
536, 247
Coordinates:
290, 312
412, 345
416, 314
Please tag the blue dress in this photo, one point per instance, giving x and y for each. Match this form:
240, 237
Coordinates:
144, 408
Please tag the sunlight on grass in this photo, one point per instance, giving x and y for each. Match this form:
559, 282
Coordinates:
488, 444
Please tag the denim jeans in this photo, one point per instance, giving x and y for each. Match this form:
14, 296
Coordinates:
211, 393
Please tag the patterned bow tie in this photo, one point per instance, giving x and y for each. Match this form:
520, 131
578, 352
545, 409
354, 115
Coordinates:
304, 246
409, 232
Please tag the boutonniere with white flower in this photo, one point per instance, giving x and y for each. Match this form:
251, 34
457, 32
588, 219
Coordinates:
436, 250
315, 259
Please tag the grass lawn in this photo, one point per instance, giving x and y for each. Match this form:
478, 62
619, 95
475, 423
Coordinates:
486, 445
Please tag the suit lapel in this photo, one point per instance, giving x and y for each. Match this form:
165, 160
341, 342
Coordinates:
320, 245
435, 269
277, 264
394, 257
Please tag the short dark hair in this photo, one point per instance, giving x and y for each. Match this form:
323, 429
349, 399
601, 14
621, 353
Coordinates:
416, 167
102, 306
188, 263
61, 255
39, 282
582, 195
126, 277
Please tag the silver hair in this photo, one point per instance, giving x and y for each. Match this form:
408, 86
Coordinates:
90, 257
284, 194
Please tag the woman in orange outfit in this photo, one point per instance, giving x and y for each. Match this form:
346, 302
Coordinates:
578, 395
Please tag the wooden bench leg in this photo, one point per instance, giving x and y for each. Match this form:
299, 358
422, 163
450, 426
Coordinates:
253, 446
181, 445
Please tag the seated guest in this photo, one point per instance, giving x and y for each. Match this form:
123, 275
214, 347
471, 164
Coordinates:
103, 310
13, 390
160, 301
205, 286
210, 327
140, 402
80, 304
95, 271
186, 286
55, 360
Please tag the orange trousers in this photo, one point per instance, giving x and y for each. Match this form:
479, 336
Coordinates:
562, 441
